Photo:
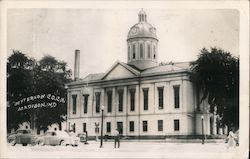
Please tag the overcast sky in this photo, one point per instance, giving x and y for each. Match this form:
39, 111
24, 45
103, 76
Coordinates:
101, 34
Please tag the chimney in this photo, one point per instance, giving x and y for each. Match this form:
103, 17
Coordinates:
77, 64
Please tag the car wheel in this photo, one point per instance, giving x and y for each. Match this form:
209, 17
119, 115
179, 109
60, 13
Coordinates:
13, 142
40, 143
63, 143
33, 144
25, 144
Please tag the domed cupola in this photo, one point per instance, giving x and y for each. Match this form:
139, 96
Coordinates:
142, 43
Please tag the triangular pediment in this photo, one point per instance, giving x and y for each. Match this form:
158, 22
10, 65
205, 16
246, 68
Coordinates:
119, 71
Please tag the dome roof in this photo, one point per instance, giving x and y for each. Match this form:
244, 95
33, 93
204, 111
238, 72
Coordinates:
141, 30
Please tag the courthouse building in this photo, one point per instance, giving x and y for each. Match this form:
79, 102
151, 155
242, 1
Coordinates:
140, 97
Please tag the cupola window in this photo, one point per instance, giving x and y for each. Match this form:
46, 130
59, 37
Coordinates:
128, 52
154, 51
141, 50
149, 51
133, 51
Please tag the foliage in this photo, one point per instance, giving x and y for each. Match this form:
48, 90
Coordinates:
27, 77
216, 73
51, 75
18, 85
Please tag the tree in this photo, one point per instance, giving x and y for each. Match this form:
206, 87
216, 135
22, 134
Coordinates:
51, 76
19, 85
216, 74
26, 77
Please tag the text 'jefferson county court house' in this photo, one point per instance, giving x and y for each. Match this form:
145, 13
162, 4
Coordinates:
140, 98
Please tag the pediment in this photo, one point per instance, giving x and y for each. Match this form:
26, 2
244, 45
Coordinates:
119, 71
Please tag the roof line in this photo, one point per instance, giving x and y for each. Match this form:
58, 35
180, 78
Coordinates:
135, 72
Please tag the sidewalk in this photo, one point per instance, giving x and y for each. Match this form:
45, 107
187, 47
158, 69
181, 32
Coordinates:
171, 140
127, 150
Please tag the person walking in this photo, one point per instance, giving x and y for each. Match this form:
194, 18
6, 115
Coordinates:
117, 140
231, 140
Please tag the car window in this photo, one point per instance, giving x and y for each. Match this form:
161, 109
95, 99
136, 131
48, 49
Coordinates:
20, 132
23, 131
48, 134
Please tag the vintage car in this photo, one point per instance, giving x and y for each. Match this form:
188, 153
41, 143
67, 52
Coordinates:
58, 138
82, 137
237, 137
22, 136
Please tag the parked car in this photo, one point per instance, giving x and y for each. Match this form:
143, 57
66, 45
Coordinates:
57, 138
237, 137
22, 136
83, 137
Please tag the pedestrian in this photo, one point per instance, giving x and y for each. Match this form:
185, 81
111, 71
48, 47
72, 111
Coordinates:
117, 140
231, 139
71, 137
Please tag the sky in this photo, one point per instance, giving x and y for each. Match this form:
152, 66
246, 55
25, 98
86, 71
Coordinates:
100, 34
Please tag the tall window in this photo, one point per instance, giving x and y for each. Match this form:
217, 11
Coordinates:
108, 127
84, 125
133, 47
144, 125
131, 126
120, 127
109, 94
141, 50
74, 104
97, 102
160, 125
160, 97
132, 99
145, 98
120, 100
149, 51
154, 49
85, 103
176, 125
74, 127
176, 96
128, 52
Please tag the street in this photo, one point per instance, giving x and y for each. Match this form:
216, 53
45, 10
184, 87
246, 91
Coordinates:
127, 150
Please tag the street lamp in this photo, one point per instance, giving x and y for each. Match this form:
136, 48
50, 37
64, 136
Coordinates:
67, 112
102, 109
202, 127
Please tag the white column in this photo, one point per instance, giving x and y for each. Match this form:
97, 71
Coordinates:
214, 124
125, 92
114, 102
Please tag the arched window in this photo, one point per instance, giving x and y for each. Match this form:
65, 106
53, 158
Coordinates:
128, 52
149, 51
154, 51
141, 50
133, 51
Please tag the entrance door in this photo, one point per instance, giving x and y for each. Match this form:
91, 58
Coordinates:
120, 127
211, 125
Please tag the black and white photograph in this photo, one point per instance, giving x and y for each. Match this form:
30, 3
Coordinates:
124, 79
